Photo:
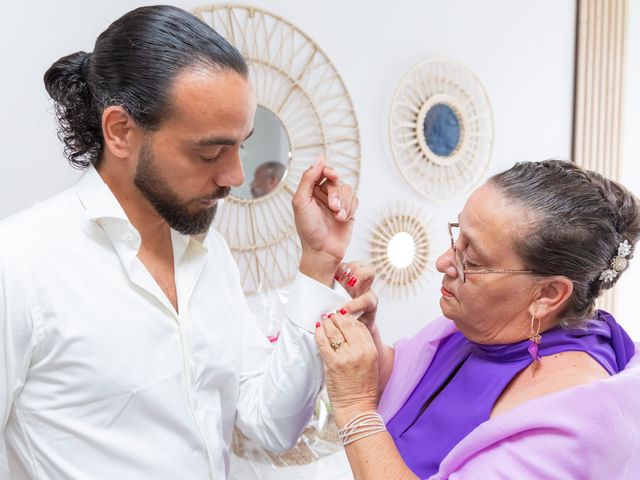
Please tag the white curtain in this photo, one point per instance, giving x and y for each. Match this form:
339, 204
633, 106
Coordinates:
4, 469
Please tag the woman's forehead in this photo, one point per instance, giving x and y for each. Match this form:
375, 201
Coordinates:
491, 221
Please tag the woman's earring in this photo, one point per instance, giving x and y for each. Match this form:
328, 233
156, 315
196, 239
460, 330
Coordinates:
534, 338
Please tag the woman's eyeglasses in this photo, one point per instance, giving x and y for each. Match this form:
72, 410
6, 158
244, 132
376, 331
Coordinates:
461, 265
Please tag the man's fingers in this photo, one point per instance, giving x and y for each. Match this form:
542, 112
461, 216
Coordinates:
329, 173
310, 178
353, 207
341, 200
321, 196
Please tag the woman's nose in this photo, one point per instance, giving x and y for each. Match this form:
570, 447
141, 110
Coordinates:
446, 263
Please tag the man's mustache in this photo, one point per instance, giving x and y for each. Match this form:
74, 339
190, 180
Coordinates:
217, 195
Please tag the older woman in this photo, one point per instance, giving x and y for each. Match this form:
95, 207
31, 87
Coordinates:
522, 377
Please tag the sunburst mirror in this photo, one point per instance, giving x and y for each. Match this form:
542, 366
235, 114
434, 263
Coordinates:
441, 129
399, 249
304, 110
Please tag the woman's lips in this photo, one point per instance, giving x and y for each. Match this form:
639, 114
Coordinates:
446, 293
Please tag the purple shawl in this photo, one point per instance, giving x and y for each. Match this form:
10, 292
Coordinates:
589, 431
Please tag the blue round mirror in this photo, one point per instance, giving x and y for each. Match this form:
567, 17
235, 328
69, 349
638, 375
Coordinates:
441, 129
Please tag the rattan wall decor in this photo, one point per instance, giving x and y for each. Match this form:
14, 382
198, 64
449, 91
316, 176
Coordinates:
441, 129
296, 83
399, 249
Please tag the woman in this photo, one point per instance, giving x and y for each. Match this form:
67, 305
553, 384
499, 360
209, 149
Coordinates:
522, 377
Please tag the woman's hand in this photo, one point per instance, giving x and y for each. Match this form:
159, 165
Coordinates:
351, 366
351, 373
357, 279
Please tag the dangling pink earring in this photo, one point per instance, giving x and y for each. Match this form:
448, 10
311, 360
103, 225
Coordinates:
534, 338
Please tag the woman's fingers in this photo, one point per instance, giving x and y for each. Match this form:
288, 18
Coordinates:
355, 277
354, 333
332, 331
367, 302
323, 342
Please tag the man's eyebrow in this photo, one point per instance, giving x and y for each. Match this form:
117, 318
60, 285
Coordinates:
213, 141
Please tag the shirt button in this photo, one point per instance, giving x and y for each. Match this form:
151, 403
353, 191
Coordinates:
129, 237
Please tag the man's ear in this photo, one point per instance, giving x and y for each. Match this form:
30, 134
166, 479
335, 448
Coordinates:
119, 131
551, 297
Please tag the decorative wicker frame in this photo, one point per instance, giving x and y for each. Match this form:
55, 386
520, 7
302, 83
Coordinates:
400, 281
297, 82
429, 83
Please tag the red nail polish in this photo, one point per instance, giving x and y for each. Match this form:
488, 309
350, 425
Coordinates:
352, 282
337, 277
343, 311
330, 315
317, 324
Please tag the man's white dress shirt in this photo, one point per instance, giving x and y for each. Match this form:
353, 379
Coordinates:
100, 377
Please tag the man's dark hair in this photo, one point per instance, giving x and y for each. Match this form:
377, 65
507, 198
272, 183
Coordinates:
133, 64
581, 218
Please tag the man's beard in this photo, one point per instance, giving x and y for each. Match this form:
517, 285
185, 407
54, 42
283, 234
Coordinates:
175, 212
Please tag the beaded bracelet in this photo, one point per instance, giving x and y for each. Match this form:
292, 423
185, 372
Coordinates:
362, 426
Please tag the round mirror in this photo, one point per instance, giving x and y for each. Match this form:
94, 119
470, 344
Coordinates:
265, 156
401, 250
441, 129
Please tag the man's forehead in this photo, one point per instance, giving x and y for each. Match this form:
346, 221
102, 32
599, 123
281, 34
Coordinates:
205, 93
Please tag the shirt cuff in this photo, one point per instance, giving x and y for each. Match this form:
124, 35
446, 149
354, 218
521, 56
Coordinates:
309, 299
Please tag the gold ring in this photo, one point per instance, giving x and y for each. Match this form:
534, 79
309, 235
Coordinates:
336, 345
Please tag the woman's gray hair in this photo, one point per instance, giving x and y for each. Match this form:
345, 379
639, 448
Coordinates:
581, 219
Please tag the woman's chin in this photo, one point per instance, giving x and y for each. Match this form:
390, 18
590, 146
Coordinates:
448, 309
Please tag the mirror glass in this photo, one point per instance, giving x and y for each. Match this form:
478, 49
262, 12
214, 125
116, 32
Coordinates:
401, 250
265, 156
441, 129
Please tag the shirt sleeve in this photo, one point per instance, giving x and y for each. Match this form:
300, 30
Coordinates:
278, 385
17, 337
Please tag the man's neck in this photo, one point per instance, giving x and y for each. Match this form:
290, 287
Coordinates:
153, 229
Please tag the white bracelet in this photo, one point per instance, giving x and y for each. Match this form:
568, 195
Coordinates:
362, 426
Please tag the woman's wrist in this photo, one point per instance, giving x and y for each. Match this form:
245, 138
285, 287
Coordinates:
343, 415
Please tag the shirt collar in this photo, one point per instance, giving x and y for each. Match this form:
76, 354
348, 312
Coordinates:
97, 198
100, 202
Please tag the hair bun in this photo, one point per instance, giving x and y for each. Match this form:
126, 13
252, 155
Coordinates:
624, 206
67, 76
67, 82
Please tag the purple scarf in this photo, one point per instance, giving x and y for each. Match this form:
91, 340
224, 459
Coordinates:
464, 380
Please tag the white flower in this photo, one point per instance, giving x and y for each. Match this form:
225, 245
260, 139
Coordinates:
624, 249
608, 275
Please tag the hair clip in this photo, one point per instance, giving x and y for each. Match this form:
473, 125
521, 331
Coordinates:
618, 264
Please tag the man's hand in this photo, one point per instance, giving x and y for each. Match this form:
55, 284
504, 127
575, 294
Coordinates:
323, 208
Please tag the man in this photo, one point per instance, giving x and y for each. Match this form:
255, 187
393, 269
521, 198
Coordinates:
266, 177
128, 350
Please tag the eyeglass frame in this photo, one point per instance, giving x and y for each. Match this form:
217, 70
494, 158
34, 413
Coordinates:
461, 262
